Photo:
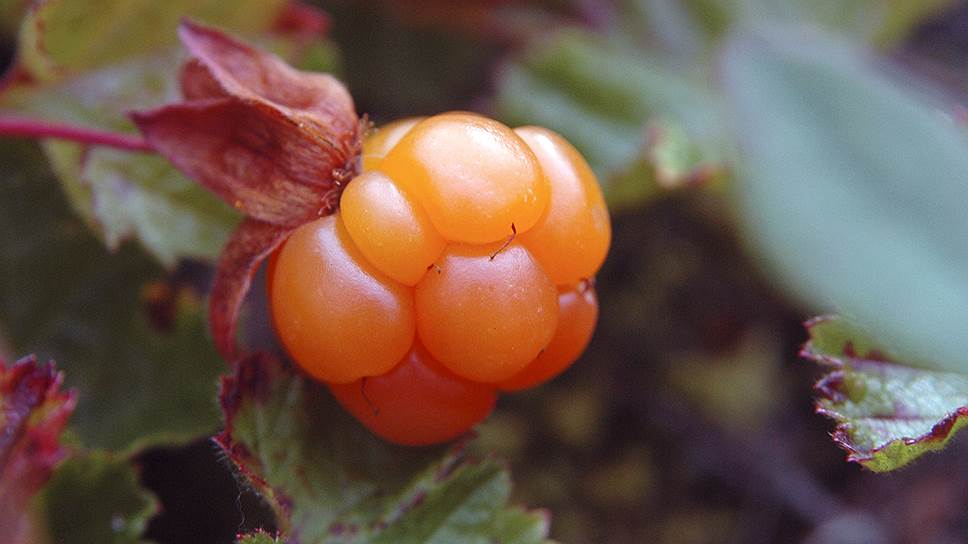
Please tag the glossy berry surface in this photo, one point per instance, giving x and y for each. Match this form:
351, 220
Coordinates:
459, 264
483, 318
577, 315
475, 176
573, 236
418, 402
339, 318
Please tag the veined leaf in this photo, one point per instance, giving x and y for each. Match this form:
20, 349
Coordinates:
330, 480
887, 414
124, 195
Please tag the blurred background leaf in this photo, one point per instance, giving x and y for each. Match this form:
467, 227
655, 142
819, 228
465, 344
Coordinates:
852, 186
603, 97
60, 37
94, 497
140, 360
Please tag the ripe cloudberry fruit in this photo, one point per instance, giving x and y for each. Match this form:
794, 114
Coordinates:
459, 264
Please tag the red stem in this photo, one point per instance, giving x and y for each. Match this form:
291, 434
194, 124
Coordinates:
34, 128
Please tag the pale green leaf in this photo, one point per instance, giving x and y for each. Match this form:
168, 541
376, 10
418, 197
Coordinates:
124, 195
60, 37
602, 97
852, 186
888, 414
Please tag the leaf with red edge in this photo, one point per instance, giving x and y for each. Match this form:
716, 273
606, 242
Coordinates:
33, 412
251, 243
330, 480
270, 140
887, 414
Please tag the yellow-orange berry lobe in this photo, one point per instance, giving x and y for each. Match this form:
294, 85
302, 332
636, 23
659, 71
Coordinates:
394, 234
418, 402
474, 176
486, 315
577, 314
458, 265
572, 237
339, 318
381, 141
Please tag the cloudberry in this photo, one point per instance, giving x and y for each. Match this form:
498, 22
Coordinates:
459, 264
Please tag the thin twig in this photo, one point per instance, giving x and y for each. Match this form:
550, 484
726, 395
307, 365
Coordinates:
35, 128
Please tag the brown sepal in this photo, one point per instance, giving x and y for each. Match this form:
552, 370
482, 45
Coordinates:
272, 141
251, 243
33, 412
251, 155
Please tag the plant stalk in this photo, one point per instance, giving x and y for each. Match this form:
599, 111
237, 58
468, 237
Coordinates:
34, 128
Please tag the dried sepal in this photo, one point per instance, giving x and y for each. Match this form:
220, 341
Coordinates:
33, 412
251, 243
251, 155
272, 141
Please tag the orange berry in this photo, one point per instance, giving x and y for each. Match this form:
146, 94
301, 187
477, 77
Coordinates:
572, 237
474, 176
394, 234
418, 402
577, 314
381, 140
338, 317
434, 284
486, 319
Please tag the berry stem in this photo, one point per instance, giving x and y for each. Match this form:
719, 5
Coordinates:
34, 128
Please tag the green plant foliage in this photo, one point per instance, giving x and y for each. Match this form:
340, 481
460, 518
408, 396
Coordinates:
602, 96
94, 497
142, 196
259, 538
888, 414
852, 188
64, 297
882, 22
121, 194
330, 480
63, 36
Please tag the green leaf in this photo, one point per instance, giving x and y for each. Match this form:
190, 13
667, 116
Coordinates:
59, 37
124, 195
95, 497
602, 96
852, 186
64, 297
260, 537
330, 480
880, 22
142, 196
887, 414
